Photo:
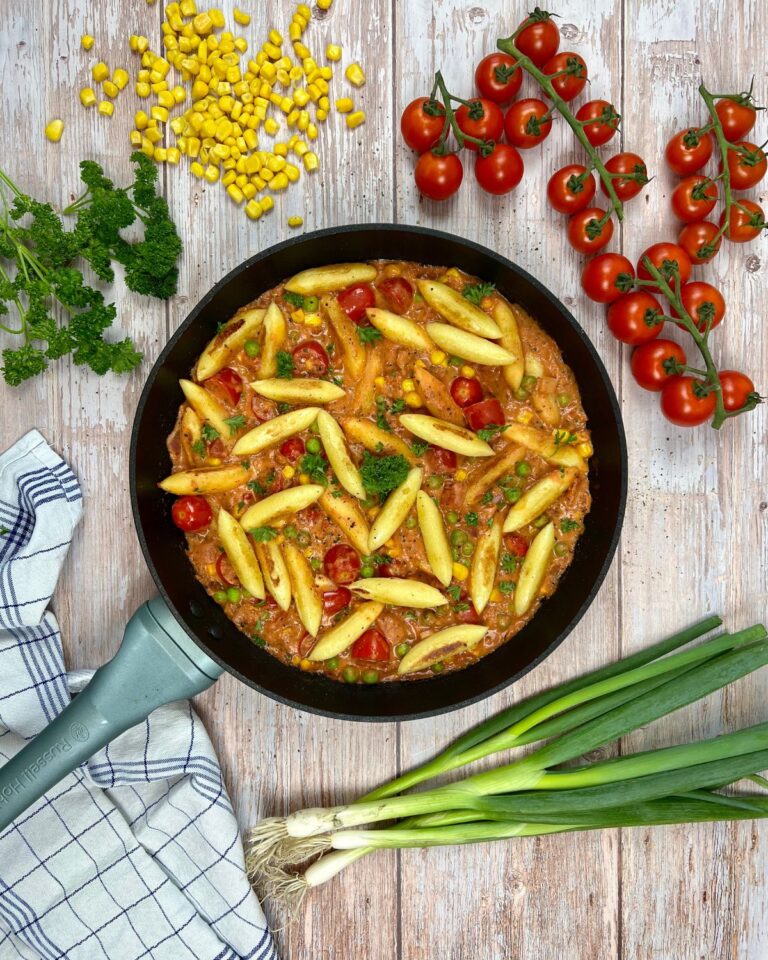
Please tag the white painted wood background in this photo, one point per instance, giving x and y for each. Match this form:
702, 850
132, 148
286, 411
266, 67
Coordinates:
694, 538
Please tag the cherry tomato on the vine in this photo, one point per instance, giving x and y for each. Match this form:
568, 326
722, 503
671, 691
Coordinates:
665, 256
635, 175
523, 124
654, 363
498, 78
355, 300
604, 121
466, 391
736, 118
600, 277
745, 222
702, 301
501, 170
694, 198
635, 318
688, 151
422, 123
568, 73
438, 177
539, 41
570, 189
398, 293
585, 232
747, 164
191, 513
687, 401
737, 389
480, 118
698, 240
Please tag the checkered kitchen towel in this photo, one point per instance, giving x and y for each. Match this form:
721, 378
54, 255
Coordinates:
137, 854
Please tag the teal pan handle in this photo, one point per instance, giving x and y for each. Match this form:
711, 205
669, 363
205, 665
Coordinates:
156, 663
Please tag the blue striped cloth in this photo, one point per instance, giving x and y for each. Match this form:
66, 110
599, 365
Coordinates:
137, 854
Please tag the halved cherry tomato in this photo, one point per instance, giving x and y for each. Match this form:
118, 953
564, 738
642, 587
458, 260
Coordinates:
371, 646
635, 318
654, 363
540, 40
342, 563
604, 121
466, 390
398, 293
310, 357
438, 177
470, 615
484, 414
227, 384
306, 642
568, 72
600, 276
688, 151
663, 256
745, 222
191, 513
585, 233
570, 189
225, 571
737, 119
482, 119
686, 401
701, 299
440, 459
335, 600
262, 408
523, 124
500, 171
516, 544
736, 388
694, 198
422, 123
354, 301
631, 165
698, 240
292, 448
746, 164
498, 77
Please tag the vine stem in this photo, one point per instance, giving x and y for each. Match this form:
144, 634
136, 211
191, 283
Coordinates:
450, 117
724, 147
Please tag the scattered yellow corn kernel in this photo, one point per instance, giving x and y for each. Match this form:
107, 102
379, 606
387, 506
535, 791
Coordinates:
333, 52
355, 119
188, 8
304, 478
461, 475
229, 178
324, 4
143, 90
120, 78
159, 113
87, 97
419, 363
196, 169
241, 17
166, 99
100, 72
235, 193
141, 120
467, 371
460, 572
136, 139
87, 41
211, 173
174, 155
437, 357
408, 385
326, 73
292, 172
311, 162
289, 472
161, 154
300, 148
106, 108
380, 382
271, 126
54, 130
524, 416
300, 97
278, 182
213, 461
585, 449
267, 203
147, 148
298, 316
305, 664
202, 23
344, 105
313, 320
321, 115
354, 73
152, 134
412, 399
294, 32
496, 595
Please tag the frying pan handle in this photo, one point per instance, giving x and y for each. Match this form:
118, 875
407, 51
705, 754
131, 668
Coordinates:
156, 663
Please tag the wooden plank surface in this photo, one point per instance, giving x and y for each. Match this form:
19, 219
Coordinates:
694, 538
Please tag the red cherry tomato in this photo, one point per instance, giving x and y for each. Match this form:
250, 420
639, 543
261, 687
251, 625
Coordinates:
485, 414
335, 600
500, 171
470, 615
604, 121
698, 240
746, 165
438, 177
737, 389
398, 293
686, 402
744, 224
227, 384
371, 646
635, 317
701, 300
466, 390
422, 123
540, 40
440, 459
498, 78
654, 363
737, 119
601, 274
572, 74
570, 189
225, 571
516, 544
523, 123
631, 165
354, 301
292, 448
688, 151
663, 256
694, 198
481, 119
191, 513
342, 563
585, 233
310, 357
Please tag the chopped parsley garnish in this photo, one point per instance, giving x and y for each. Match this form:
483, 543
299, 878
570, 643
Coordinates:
564, 438
509, 562
258, 640
235, 423
419, 447
379, 448
397, 406
409, 614
263, 534
382, 474
314, 464
507, 586
283, 407
471, 519
257, 487
4, 531
295, 299
568, 526
209, 433
381, 414
454, 591
474, 292
461, 607
486, 433
198, 447
368, 334
270, 478
284, 365
487, 497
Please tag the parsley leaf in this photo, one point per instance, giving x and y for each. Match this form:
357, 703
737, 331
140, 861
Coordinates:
382, 474
263, 534
314, 464
381, 414
397, 406
284, 365
198, 447
295, 299
474, 292
235, 423
487, 497
509, 562
4, 531
471, 519
257, 487
419, 447
454, 591
368, 334
568, 526
564, 438
492, 430
507, 586
209, 433
258, 640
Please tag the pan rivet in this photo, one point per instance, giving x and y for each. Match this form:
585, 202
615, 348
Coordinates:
195, 610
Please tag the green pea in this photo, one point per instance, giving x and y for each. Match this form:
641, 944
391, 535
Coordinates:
435, 482
452, 516
401, 649
563, 399
521, 394
541, 521
528, 381
467, 549
314, 445
233, 595
290, 532
410, 523
561, 549
316, 563
220, 596
311, 304
455, 361
303, 539
438, 667
366, 570
349, 674
370, 676
332, 664
512, 494
458, 537
523, 468
252, 348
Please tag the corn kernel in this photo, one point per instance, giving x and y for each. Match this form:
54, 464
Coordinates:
585, 449
120, 78
165, 99
174, 155
161, 154
322, 86
408, 385
326, 73
272, 51
241, 17
211, 173
461, 475
301, 21
228, 180
235, 193
344, 105
294, 32
241, 44
460, 571
100, 72
271, 126
143, 90
289, 472
437, 357
496, 595
278, 182
87, 97
152, 134
312, 131
159, 113
136, 139
313, 320
333, 52
202, 23
311, 161
188, 8
304, 478
412, 399
301, 97
321, 115
267, 203
324, 4
159, 86
419, 363
467, 371
301, 51
147, 148
106, 108
354, 73
292, 172
298, 316
196, 169
355, 119
213, 461
54, 130
524, 416
87, 41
